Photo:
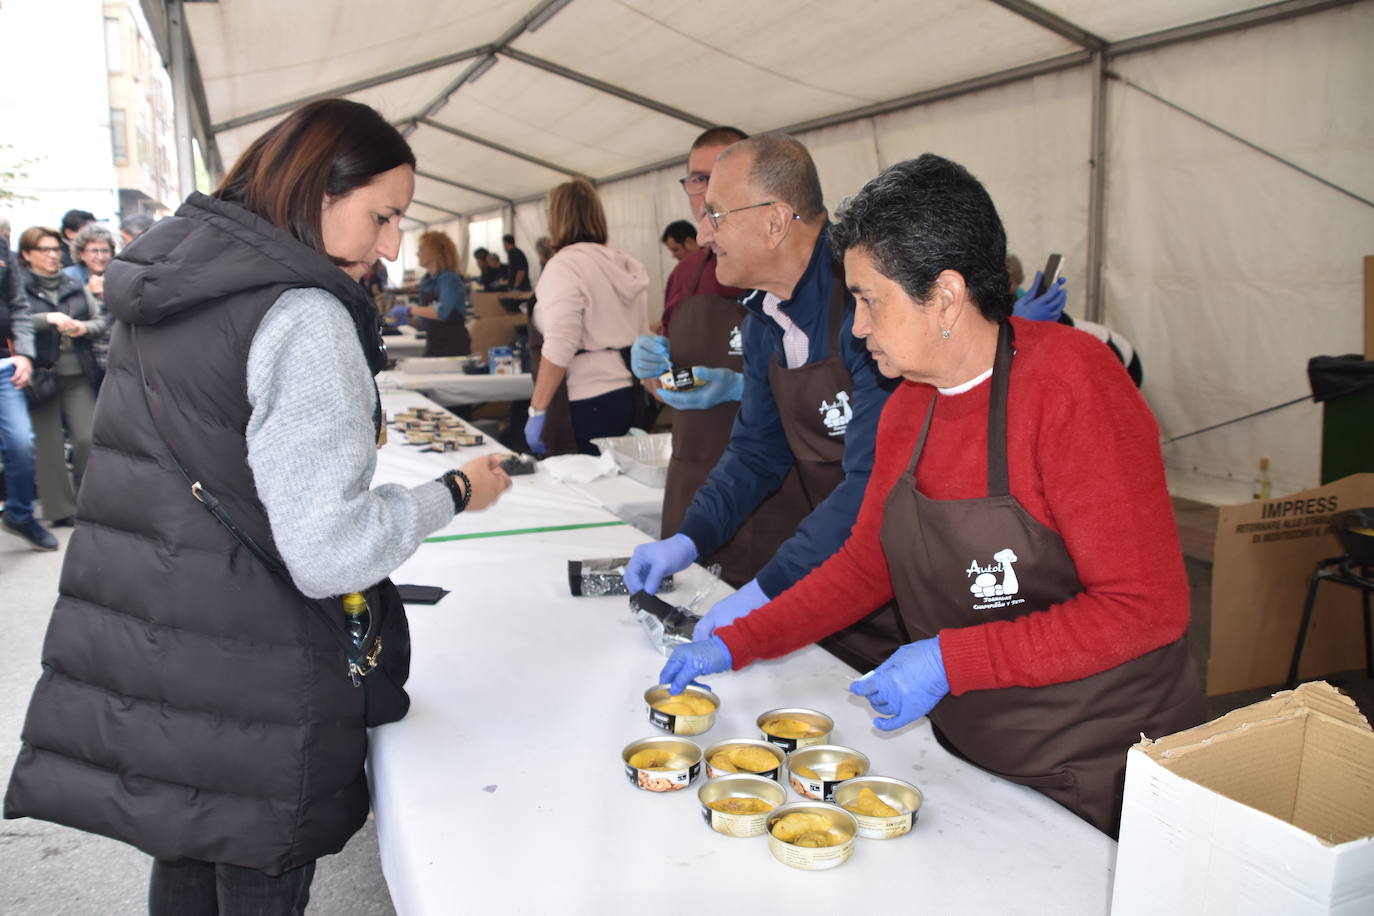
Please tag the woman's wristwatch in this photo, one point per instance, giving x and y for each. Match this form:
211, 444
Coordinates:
536, 412
461, 495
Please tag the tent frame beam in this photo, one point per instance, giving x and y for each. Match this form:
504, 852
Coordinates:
420, 173
492, 144
1054, 23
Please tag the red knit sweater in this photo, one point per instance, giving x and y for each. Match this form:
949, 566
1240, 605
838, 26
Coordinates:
1083, 459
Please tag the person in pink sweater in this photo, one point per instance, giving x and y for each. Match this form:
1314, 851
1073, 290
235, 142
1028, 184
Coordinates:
1017, 511
591, 303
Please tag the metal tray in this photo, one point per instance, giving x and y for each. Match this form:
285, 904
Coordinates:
641, 458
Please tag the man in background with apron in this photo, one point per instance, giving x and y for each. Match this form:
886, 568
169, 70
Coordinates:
810, 394
702, 322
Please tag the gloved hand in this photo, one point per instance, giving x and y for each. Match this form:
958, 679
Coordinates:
906, 686
400, 314
1047, 306
689, 662
649, 356
727, 610
717, 387
534, 434
651, 562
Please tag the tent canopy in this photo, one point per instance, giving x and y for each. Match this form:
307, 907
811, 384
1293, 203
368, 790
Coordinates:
1202, 165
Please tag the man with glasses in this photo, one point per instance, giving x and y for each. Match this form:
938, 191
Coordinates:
810, 392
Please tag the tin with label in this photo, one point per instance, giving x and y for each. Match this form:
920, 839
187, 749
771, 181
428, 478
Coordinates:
815, 771
679, 378
661, 764
739, 805
793, 727
800, 846
903, 797
678, 713
744, 755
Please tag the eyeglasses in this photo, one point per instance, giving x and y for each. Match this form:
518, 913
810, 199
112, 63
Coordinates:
695, 183
97, 251
715, 216
48, 249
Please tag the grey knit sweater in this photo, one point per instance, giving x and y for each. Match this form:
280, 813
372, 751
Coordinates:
312, 451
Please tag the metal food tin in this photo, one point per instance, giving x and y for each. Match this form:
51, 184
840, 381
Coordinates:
817, 719
680, 770
678, 378
730, 744
680, 724
739, 785
822, 759
469, 438
419, 437
814, 859
441, 444
901, 795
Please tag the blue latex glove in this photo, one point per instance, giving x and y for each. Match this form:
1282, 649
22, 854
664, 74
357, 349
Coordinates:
651, 562
1047, 306
717, 387
534, 434
906, 686
689, 662
727, 610
649, 356
400, 314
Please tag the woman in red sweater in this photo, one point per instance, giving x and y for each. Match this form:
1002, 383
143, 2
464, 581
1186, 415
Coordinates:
1017, 511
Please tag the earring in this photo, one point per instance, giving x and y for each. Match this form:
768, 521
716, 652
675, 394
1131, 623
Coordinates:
944, 333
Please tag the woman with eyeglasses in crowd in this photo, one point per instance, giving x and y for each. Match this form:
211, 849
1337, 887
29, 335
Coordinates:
67, 319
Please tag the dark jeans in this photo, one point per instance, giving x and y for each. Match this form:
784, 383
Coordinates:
608, 414
187, 887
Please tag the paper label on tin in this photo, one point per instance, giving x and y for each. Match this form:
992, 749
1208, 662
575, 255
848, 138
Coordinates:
738, 825
662, 780
883, 828
812, 859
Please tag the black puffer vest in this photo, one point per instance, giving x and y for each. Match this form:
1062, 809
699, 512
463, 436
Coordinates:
189, 704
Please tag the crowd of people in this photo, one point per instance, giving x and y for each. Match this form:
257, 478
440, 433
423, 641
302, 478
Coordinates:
873, 403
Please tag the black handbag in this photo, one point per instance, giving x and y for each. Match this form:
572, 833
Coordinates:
381, 663
43, 386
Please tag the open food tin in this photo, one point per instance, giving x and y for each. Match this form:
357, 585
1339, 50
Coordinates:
744, 755
685, 713
905, 798
789, 840
661, 764
793, 727
815, 771
739, 805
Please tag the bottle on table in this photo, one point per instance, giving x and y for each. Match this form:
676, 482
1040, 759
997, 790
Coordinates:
355, 611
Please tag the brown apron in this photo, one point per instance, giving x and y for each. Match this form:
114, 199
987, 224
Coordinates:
706, 332
815, 404
558, 435
445, 338
964, 562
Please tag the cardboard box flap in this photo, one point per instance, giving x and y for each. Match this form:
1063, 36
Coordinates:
1305, 756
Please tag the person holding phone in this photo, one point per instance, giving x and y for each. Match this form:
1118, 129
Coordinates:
1017, 510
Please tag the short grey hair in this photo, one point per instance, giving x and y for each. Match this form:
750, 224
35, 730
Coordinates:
783, 170
137, 224
91, 232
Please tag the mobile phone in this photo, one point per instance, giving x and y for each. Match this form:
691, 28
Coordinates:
1049, 274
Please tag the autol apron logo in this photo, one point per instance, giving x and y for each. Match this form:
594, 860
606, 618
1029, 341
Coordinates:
836, 415
736, 342
992, 592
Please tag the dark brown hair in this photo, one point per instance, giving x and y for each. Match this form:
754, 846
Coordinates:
329, 147
575, 215
31, 236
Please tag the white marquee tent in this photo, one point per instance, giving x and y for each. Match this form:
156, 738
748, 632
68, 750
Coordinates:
1205, 166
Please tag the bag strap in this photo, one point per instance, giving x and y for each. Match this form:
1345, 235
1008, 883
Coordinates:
360, 663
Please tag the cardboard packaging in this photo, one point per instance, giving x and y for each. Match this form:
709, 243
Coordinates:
1267, 810
1265, 553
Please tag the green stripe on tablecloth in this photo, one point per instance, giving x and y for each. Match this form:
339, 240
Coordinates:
511, 531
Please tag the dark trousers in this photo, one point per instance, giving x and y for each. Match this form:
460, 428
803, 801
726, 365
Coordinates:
186, 887
607, 414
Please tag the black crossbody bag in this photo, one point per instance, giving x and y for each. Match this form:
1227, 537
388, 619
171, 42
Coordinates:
381, 674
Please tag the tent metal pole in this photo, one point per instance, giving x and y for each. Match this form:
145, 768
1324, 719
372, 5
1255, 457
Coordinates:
491, 144
350, 88
617, 91
1055, 23
465, 187
1274, 12
181, 97
1097, 165
454, 213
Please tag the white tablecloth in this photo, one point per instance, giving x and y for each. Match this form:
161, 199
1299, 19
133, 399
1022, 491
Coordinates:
503, 790
404, 344
457, 388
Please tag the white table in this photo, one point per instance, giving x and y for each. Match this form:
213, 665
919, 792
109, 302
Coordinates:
457, 388
503, 791
404, 344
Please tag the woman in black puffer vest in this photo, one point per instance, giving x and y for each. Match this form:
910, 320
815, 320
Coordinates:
190, 703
